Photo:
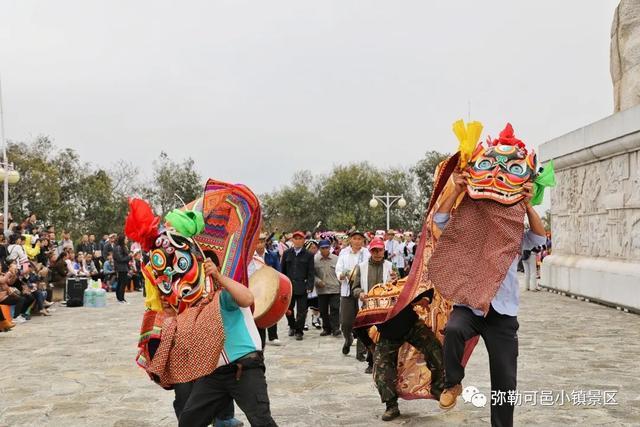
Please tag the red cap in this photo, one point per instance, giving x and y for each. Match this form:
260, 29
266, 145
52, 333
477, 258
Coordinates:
376, 244
298, 234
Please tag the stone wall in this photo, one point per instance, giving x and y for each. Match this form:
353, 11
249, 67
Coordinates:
596, 208
625, 54
595, 211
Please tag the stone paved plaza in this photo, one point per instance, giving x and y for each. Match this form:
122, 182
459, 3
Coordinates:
76, 368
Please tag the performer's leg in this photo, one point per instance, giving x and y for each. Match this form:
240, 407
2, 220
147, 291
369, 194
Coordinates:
209, 397
385, 374
323, 302
182, 392
501, 340
422, 338
348, 310
461, 326
262, 332
250, 393
273, 332
334, 312
227, 413
291, 318
366, 343
301, 314
361, 349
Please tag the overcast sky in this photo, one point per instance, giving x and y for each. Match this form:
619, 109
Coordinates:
254, 91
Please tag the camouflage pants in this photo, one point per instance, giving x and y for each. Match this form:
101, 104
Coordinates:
385, 360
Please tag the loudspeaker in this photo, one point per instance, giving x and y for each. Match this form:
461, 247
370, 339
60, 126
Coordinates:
74, 288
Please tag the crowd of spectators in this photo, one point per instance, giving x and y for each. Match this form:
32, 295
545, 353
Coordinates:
36, 263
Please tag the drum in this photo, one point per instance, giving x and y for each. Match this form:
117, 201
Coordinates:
272, 294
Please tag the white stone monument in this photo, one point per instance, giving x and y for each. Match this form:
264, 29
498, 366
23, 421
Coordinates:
595, 207
625, 55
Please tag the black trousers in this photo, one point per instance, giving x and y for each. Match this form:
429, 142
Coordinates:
500, 335
18, 301
330, 311
272, 331
123, 281
348, 311
182, 393
211, 395
297, 322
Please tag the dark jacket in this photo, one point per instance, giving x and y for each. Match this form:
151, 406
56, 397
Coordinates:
299, 269
59, 273
272, 259
106, 249
121, 259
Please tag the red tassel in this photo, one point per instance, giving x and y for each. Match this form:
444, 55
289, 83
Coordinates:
508, 137
141, 225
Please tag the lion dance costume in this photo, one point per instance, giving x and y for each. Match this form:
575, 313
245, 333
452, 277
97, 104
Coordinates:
222, 225
446, 263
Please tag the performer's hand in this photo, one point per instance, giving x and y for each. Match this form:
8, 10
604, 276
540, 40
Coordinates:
167, 309
393, 276
527, 190
362, 297
210, 269
460, 180
320, 284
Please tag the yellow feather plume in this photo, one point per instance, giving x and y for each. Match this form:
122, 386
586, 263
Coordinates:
468, 135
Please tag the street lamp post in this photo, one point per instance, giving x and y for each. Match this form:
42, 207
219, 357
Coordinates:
387, 201
10, 175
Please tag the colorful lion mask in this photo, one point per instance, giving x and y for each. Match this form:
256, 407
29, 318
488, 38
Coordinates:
499, 171
174, 273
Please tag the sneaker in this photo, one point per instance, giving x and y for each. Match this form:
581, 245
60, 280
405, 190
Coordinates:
19, 320
231, 422
449, 396
275, 342
306, 328
369, 370
391, 413
292, 332
325, 333
337, 334
298, 337
45, 312
361, 357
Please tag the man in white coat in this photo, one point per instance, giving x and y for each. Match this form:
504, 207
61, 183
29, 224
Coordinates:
350, 256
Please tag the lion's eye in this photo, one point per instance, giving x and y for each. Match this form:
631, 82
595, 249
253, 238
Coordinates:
182, 262
516, 169
484, 164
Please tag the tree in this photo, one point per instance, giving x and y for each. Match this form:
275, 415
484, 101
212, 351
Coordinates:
423, 171
64, 191
294, 206
345, 195
171, 179
38, 190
